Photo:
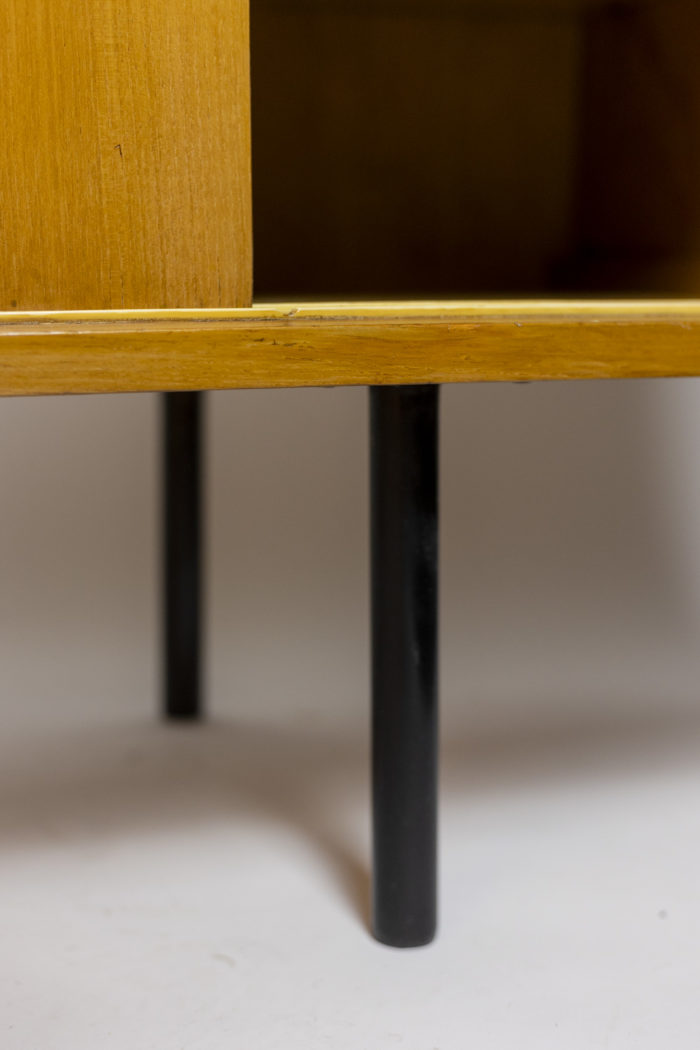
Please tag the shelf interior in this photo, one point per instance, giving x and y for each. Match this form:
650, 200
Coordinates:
430, 148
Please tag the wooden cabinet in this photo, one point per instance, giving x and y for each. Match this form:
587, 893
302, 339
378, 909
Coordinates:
486, 189
515, 181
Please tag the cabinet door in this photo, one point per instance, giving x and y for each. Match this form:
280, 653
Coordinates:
124, 154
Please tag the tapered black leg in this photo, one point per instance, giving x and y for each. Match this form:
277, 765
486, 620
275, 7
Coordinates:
182, 571
404, 481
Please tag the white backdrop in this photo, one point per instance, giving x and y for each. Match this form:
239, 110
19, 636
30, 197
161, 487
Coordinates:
570, 552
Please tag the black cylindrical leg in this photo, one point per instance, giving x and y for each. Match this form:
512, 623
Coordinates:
404, 481
182, 573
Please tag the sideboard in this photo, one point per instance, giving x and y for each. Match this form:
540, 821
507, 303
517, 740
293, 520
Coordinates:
434, 191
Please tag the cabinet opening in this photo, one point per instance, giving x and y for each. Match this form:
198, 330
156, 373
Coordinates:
469, 148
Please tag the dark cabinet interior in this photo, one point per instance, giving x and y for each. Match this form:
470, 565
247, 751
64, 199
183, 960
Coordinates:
475, 148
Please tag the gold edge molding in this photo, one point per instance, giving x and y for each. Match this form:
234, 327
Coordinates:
516, 311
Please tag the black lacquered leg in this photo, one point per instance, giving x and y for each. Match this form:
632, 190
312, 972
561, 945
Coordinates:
404, 476
182, 572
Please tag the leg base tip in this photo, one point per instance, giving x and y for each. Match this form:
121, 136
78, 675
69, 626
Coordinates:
404, 938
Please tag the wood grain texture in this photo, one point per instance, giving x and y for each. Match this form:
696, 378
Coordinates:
124, 154
288, 345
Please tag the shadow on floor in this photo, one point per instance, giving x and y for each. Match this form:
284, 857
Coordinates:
91, 781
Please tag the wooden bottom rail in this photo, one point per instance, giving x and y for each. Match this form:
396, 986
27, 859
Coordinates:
337, 344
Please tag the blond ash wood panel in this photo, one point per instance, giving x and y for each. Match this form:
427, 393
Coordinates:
342, 344
124, 154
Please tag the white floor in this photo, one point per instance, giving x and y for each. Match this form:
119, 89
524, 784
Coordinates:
207, 887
